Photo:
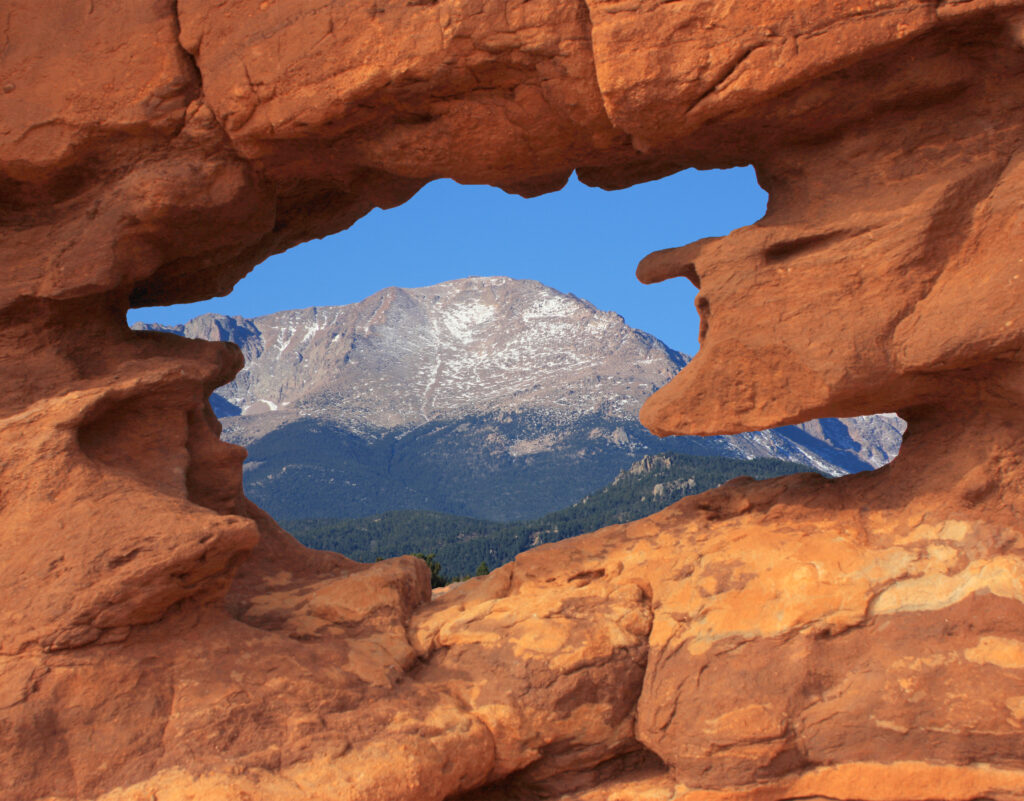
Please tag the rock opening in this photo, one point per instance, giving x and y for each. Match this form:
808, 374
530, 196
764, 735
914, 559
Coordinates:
784, 639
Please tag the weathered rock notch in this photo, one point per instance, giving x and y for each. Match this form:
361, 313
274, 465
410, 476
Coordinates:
853, 639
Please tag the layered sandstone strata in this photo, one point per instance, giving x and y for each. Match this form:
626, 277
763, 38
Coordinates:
854, 639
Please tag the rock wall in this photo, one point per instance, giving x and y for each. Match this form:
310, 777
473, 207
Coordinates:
860, 638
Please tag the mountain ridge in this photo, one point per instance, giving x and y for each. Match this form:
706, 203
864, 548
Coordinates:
506, 335
480, 383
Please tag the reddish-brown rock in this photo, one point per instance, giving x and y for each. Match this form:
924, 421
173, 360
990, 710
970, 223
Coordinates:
857, 639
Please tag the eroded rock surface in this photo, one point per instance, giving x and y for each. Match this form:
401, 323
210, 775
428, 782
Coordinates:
860, 638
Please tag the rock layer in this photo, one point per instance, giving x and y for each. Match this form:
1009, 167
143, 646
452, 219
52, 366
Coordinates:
852, 639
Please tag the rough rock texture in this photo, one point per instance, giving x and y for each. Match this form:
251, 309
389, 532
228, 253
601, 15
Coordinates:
855, 639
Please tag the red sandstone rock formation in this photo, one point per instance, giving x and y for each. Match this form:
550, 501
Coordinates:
853, 639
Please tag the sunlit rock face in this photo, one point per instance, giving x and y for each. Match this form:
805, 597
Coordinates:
855, 639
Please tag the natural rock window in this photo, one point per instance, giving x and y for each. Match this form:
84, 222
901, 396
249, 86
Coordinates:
494, 408
857, 638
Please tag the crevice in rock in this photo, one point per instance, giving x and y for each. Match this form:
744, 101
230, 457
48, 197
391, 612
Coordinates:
723, 76
780, 251
637, 765
188, 56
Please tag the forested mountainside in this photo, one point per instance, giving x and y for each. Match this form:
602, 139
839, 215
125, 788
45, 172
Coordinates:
461, 545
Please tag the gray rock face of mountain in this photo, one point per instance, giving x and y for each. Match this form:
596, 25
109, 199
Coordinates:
463, 360
404, 357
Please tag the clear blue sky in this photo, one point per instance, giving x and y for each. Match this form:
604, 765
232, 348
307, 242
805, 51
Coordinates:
580, 240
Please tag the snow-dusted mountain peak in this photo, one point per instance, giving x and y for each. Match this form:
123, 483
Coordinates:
468, 346
485, 346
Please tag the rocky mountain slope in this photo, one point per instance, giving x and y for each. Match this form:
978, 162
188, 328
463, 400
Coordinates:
403, 357
488, 397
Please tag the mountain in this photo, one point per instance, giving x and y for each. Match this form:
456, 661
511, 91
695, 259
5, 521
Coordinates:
404, 357
460, 544
486, 397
